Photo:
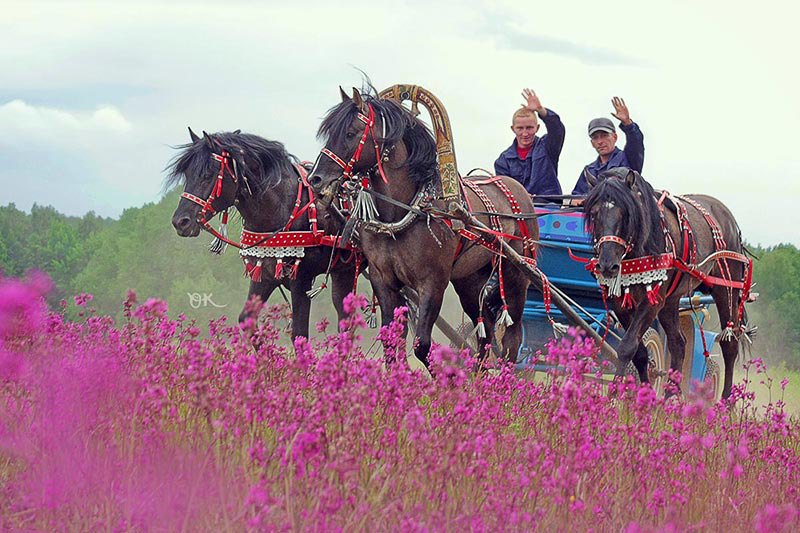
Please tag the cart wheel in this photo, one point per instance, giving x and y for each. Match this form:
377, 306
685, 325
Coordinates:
657, 360
714, 377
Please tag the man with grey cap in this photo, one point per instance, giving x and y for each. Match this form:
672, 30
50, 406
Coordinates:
604, 139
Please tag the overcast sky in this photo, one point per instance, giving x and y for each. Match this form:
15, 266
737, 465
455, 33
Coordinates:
93, 94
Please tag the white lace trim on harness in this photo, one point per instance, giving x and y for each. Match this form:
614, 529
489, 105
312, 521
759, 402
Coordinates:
279, 251
647, 277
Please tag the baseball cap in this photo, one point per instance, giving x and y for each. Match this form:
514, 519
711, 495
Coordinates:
601, 124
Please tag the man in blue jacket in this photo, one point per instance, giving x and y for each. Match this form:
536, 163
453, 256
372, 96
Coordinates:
604, 141
532, 160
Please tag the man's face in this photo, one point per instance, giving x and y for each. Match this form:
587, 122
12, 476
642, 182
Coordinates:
604, 142
525, 129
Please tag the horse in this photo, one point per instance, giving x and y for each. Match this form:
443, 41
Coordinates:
651, 249
268, 188
405, 245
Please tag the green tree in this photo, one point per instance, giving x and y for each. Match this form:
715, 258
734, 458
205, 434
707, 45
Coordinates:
142, 252
777, 311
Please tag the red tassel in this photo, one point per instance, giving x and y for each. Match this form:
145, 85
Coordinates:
294, 269
255, 274
627, 299
248, 267
652, 294
279, 268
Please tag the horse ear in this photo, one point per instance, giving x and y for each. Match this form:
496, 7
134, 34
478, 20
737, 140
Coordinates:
237, 132
343, 94
591, 179
630, 179
208, 140
357, 99
193, 135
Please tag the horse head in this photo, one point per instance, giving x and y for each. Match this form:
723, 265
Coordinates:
619, 217
224, 169
211, 183
380, 141
351, 147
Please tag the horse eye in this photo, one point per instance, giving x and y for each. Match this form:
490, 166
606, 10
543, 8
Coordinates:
350, 135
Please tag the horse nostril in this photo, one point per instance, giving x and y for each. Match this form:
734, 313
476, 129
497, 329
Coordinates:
608, 271
182, 223
315, 181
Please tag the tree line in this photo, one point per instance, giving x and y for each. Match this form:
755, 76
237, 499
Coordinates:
140, 251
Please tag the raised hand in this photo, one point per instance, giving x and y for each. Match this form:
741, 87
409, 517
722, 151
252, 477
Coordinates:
621, 112
532, 102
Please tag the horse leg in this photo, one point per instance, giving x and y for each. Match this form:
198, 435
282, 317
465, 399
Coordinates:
263, 289
516, 294
389, 299
641, 357
431, 295
301, 305
469, 290
676, 342
342, 282
632, 340
730, 347
640, 361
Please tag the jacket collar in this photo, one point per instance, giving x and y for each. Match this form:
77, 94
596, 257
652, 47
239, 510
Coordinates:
612, 162
511, 151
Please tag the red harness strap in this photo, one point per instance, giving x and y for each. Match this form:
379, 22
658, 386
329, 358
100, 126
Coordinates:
527, 244
284, 237
497, 231
634, 266
487, 203
480, 240
686, 264
722, 255
689, 243
216, 191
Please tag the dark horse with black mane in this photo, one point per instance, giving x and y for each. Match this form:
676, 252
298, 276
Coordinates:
405, 245
653, 248
283, 242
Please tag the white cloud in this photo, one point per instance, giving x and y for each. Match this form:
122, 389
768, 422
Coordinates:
18, 118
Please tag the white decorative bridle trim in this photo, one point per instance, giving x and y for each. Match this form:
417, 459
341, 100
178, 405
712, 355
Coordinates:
280, 251
637, 278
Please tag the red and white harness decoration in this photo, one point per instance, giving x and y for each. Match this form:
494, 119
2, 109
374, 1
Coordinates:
254, 246
652, 271
364, 207
220, 242
288, 247
489, 239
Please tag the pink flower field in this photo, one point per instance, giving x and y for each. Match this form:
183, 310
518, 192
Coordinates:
155, 424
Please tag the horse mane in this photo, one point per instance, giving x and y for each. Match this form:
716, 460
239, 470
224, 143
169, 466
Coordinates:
399, 125
641, 224
264, 162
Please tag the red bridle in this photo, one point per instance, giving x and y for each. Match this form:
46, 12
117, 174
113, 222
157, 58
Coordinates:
347, 168
617, 240
224, 164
